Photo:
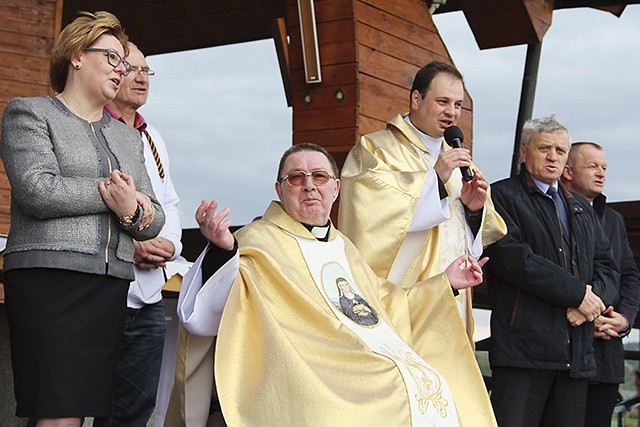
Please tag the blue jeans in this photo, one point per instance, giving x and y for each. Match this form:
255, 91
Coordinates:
139, 368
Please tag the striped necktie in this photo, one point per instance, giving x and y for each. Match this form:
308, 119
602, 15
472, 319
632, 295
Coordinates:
156, 156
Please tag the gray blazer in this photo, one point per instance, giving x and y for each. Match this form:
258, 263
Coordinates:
54, 161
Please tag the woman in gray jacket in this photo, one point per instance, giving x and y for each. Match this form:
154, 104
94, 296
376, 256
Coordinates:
80, 194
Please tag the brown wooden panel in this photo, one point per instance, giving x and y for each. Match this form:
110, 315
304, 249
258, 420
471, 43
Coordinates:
325, 11
27, 30
402, 29
397, 47
24, 44
330, 10
338, 139
498, 23
22, 68
336, 31
336, 34
324, 97
330, 54
380, 100
11, 89
29, 17
332, 75
465, 123
413, 11
331, 118
335, 44
631, 213
340, 155
390, 69
369, 125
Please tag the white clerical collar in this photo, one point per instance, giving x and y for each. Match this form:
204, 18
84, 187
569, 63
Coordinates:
434, 145
320, 232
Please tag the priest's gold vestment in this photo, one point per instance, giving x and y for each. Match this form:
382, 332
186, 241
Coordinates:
284, 357
381, 181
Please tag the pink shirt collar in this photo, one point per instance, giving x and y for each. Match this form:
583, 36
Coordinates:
139, 122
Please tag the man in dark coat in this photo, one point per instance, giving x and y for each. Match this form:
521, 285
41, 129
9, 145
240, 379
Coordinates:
550, 277
585, 174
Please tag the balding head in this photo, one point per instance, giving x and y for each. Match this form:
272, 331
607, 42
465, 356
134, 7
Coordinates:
586, 170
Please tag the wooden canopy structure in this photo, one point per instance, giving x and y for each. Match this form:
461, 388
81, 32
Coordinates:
364, 53
346, 65
346, 70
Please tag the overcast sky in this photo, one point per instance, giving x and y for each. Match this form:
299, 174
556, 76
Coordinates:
223, 114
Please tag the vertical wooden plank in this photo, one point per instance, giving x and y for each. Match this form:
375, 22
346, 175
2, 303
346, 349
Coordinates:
29, 29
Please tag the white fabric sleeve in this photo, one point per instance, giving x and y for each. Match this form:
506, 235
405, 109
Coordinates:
430, 209
172, 229
200, 305
475, 242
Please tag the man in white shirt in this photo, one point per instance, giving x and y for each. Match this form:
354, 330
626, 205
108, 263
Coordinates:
140, 361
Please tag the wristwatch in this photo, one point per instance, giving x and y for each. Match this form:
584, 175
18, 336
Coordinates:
129, 220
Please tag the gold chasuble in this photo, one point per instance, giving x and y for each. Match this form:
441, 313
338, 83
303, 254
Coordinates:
310, 336
381, 183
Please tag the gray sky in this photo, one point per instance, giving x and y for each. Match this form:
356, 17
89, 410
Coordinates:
223, 114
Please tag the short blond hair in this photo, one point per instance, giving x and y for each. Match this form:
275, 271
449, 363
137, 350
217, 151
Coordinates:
81, 33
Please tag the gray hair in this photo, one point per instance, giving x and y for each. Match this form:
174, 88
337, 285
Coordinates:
547, 124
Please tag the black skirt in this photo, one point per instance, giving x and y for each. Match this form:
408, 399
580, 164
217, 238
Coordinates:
66, 331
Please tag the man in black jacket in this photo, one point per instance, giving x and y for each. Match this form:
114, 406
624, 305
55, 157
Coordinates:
550, 277
585, 174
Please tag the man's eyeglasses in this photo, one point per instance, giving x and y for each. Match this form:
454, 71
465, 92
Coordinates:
113, 58
142, 70
297, 178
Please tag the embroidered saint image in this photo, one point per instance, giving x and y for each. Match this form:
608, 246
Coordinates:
354, 306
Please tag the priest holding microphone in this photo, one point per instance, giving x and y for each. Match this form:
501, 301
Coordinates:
404, 201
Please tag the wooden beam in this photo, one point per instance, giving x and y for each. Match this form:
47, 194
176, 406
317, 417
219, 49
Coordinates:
498, 23
279, 30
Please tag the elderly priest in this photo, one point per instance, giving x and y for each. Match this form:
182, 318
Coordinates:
309, 335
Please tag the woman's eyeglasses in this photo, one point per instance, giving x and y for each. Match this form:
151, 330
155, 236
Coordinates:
297, 178
113, 58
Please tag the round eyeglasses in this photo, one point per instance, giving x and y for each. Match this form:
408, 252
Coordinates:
135, 70
297, 178
113, 58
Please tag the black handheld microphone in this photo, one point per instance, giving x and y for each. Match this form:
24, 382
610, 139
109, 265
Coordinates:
454, 137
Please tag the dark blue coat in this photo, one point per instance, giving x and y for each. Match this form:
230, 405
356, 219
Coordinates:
610, 353
533, 280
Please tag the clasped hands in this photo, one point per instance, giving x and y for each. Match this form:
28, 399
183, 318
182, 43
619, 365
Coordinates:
608, 323
153, 253
119, 194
